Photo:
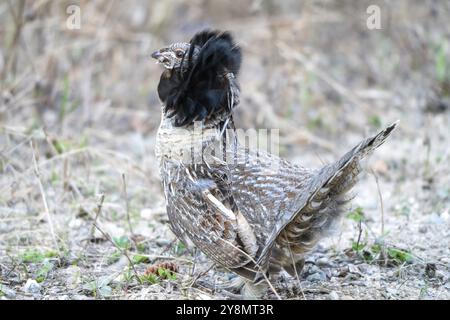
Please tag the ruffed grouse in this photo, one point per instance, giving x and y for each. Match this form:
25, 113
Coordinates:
249, 211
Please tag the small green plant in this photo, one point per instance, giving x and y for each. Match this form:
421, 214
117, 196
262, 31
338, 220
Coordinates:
114, 257
149, 278
383, 253
160, 271
423, 291
164, 273
441, 63
36, 256
43, 271
376, 248
140, 247
180, 248
54, 177
122, 242
356, 215
65, 145
358, 246
399, 256
375, 121
100, 287
137, 258
156, 277
127, 274
315, 123
61, 146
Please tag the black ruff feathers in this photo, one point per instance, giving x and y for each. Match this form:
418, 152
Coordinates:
199, 89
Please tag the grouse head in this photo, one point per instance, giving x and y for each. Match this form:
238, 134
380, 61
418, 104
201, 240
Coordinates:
199, 82
172, 56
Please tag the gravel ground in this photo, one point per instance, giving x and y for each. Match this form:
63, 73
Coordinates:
80, 195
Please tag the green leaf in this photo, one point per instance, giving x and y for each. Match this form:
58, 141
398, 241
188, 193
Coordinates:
54, 177
140, 259
127, 274
162, 272
114, 257
376, 248
172, 276
61, 146
36, 256
50, 254
122, 242
150, 278
140, 247
358, 246
400, 256
441, 64
367, 256
180, 248
43, 271
356, 215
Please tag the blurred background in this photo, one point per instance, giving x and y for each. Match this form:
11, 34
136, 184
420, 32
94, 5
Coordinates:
79, 112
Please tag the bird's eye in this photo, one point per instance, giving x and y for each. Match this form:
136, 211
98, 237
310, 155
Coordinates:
179, 53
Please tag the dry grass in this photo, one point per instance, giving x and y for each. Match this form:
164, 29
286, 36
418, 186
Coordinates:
79, 110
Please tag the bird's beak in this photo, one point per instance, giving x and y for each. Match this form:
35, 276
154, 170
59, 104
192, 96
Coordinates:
156, 55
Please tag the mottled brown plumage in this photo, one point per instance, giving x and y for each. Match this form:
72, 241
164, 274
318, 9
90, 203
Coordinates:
249, 211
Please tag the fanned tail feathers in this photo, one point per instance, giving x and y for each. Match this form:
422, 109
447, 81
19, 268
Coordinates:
328, 196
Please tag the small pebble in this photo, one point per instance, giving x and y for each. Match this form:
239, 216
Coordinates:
31, 286
423, 229
162, 242
333, 295
353, 269
8, 292
323, 262
341, 272
310, 259
430, 270
317, 277
72, 277
391, 291
351, 277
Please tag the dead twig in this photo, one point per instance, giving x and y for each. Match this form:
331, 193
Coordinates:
201, 274
99, 210
127, 203
11, 57
294, 264
359, 234
108, 237
44, 199
123, 251
381, 201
